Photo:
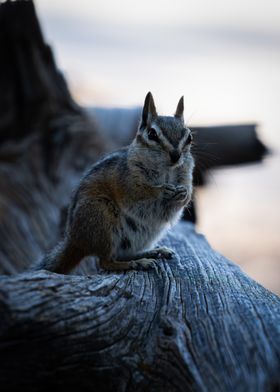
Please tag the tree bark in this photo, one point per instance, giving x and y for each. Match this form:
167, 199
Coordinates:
194, 323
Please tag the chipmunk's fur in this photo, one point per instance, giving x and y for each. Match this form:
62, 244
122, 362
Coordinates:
126, 201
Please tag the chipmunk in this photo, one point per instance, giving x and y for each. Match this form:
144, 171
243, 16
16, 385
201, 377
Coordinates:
127, 200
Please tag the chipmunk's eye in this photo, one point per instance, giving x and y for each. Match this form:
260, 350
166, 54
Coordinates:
152, 135
189, 139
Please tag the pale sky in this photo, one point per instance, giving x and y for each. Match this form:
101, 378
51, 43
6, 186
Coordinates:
223, 55
243, 14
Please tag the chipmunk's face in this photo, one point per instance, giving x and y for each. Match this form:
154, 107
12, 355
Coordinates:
166, 139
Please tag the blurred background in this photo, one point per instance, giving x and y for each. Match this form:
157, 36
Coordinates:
224, 57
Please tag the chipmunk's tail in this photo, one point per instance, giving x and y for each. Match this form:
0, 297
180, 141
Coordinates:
61, 259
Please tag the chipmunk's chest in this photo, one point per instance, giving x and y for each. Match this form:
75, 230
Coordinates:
138, 232
143, 222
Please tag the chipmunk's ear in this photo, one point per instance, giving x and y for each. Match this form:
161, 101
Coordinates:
180, 109
149, 110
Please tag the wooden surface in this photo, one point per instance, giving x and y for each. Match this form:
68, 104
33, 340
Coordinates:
194, 323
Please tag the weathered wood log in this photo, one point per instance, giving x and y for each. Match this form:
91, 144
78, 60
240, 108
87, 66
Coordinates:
196, 323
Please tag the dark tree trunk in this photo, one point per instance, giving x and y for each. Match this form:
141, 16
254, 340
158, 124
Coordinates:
46, 140
32, 88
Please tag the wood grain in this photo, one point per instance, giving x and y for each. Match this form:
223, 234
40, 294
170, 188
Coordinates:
194, 323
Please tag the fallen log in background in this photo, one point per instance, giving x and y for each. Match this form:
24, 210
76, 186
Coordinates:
195, 323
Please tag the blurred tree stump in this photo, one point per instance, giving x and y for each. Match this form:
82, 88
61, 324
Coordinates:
196, 323
46, 140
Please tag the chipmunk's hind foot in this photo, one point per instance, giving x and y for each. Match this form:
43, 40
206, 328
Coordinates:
159, 253
117, 265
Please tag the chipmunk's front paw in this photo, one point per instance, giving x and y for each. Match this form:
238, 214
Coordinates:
175, 193
169, 191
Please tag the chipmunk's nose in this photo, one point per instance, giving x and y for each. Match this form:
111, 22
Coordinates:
174, 156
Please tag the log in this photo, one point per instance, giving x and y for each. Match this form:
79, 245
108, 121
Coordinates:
196, 323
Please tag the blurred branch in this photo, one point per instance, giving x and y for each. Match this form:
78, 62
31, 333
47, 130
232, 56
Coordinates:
226, 145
